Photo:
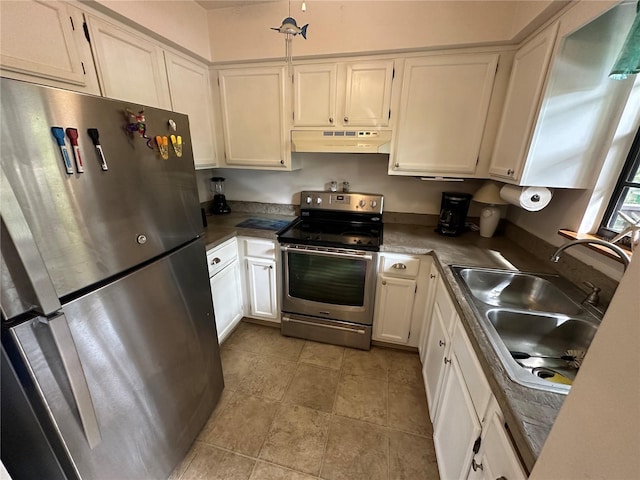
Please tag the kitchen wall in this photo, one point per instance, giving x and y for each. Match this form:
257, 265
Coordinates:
365, 173
343, 27
183, 23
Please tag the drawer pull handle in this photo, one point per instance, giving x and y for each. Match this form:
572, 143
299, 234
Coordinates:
399, 266
446, 360
215, 261
441, 343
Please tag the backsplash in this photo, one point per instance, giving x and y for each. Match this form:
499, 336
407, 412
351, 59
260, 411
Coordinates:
569, 267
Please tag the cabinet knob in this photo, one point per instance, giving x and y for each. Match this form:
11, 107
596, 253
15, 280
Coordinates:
476, 466
270, 267
384, 282
330, 119
281, 162
397, 165
346, 119
441, 343
446, 360
432, 276
215, 261
510, 172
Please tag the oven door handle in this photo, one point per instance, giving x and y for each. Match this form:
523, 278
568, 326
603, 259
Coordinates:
328, 253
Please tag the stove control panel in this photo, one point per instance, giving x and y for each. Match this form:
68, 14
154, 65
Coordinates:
342, 202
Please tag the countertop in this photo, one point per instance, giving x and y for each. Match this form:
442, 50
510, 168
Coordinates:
529, 413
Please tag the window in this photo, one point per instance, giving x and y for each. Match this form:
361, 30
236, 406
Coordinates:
625, 198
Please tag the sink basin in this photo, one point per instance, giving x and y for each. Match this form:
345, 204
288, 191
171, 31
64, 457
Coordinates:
537, 315
550, 335
517, 290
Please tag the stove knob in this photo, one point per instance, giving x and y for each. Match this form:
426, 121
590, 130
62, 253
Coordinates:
308, 200
374, 204
362, 203
318, 200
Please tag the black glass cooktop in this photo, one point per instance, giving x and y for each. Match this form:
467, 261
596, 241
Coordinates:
361, 236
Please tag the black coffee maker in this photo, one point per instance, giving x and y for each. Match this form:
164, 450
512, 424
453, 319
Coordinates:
220, 206
453, 213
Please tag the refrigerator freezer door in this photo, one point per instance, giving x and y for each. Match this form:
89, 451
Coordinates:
147, 347
91, 226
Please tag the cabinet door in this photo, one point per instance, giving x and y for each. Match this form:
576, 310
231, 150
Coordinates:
43, 42
263, 301
497, 457
442, 114
456, 427
394, 306
226, 290
314, 95
428, 311
438, 349
367, 97
521, 105
253, 116
191, 94
130, 67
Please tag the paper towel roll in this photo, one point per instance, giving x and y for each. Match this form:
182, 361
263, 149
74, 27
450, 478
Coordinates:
529, 198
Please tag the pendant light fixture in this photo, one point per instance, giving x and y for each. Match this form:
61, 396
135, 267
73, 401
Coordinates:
628, 62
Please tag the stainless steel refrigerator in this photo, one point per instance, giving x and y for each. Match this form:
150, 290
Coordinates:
110, 358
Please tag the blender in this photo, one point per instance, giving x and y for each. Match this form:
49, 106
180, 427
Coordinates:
220, 206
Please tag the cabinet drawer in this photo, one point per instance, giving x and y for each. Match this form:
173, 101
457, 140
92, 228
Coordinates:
474, 377
399, 265
221, 256
259, 248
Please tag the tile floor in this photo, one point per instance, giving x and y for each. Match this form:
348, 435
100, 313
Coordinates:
298, 410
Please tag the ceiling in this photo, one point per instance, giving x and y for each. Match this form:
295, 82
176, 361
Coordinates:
213, 4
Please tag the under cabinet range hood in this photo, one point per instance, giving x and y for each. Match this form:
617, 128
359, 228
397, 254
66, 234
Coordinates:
341, 141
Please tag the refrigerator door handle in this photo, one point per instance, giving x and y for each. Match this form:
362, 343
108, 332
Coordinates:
73, 369
43, 293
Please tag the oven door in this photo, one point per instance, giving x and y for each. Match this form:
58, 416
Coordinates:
330, 283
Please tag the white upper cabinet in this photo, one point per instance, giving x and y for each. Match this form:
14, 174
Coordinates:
44, 42
367, 97
343, 95
253, 105
314, 95
521, 105
191, 94
442, 114
130, 68
561, 104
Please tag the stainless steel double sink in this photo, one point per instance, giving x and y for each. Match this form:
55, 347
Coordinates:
536, 323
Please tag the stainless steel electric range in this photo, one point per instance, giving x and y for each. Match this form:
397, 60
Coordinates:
329, 264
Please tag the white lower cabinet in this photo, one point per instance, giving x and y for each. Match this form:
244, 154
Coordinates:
456, 427
438, 345
496, 457
434, 274
469, 433
261, 279
226, 287
402, 290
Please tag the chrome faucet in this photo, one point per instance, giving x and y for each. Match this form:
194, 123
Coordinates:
595, 241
